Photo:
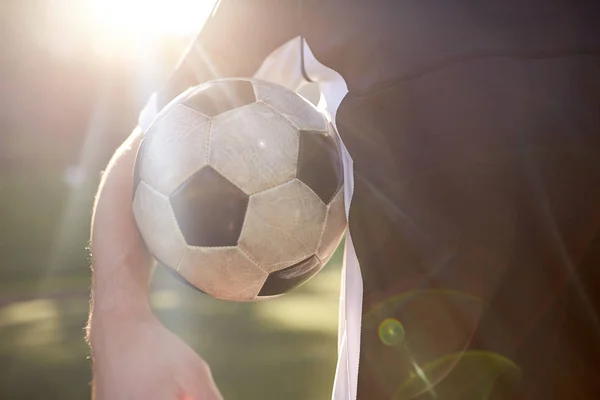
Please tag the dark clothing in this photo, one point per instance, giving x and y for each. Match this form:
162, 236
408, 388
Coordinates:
475, 133
489, 186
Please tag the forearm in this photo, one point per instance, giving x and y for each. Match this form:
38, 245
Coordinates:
121, 286
120, 264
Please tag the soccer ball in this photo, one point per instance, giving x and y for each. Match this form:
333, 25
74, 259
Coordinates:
239, 189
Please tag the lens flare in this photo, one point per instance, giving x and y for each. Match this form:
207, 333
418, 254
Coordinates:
391, 332
405, 332
462, 375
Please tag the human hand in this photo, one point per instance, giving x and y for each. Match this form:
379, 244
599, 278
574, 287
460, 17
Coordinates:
134, 356
140, 359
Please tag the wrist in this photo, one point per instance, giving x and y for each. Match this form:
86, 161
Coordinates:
119, 307
114, 312
120, 288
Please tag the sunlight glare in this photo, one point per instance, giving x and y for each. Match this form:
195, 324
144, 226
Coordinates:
120, 26
151, 17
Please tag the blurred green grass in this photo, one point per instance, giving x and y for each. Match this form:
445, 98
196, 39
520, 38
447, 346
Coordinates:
281, 348
277, 349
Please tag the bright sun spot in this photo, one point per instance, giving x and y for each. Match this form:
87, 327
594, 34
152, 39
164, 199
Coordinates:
151, 17
119, 26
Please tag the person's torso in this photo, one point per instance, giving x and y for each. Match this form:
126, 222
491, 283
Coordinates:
474, 130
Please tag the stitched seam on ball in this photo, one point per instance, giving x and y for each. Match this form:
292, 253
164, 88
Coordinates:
194, 110
239, 245
300, 258
211, 247
312, 191
159, 117
254, 90
194, 90
295, 178
140, 157
232, 79
207, 157
251, 258
319, 258
216, 168
323, 229
174, 220
340, 190
158, 192
274, 186
281, 184
180, 258
218, 247
297, 260
173, 217
281, 115
181, 186
297, 160
325, 132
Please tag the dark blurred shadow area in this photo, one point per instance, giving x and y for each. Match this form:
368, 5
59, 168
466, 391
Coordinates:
71, 89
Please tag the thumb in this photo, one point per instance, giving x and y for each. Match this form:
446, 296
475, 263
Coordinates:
200, 385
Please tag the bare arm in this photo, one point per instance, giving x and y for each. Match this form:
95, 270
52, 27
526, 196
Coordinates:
134, 356
121, 265
131, 350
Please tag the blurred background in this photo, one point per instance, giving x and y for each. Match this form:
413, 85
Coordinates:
74, 75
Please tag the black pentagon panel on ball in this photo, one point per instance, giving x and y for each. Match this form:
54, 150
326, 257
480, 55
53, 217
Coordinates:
320, 164
284, 280
210, 210
214, 98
